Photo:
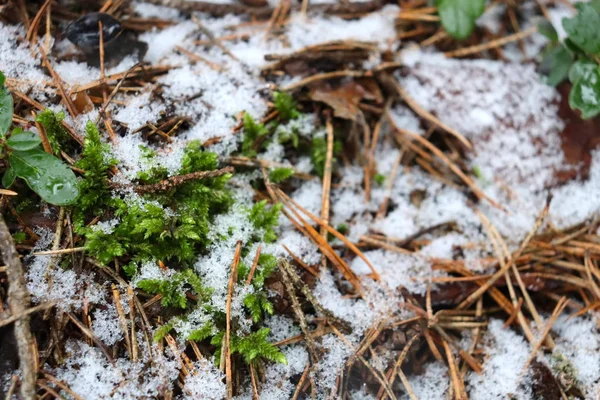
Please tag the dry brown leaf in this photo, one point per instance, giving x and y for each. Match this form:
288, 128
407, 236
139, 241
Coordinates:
344, 100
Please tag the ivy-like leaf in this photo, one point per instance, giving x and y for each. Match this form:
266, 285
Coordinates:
24, 141
581, 69
558, 62
584, 28
46, 175
6, 107
9, 178
547, 29
585, 94
458, 16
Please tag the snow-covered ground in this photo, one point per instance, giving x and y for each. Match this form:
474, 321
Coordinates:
503, 108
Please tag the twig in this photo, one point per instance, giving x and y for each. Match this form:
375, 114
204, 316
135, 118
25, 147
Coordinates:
174, 181
29, 311
478, 192
18, 301
91, 335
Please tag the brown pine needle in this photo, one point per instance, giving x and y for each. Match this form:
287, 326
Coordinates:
254, 265
288, 200
122, 319
324, 76
226, 351
196, 57
427, 115
450, 165
492, 44
457, 382
325, 194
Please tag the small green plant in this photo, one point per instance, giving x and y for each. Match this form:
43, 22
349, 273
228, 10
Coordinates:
577, 58
146, 230
278, 175
19, 237
252, 132
285, 104
318, 154
253, 347
173, 289
266, 219
45, 174
57, 134
459, 16
96, 162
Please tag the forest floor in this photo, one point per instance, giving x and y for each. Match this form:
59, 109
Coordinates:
281, 200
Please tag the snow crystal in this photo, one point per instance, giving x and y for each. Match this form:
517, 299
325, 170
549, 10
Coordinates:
89, 374
205, 381
139, 112
164, 41
578, 340
502, 375
106, 326
432, 384
397, 269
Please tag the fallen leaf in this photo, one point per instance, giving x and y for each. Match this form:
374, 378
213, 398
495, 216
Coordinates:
344, 100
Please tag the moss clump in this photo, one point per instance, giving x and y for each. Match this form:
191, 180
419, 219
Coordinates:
96, 162
285, 104
252, 347
173, 225
173, 289
318, 154
56, 133
253, 131
278, 175
265, 219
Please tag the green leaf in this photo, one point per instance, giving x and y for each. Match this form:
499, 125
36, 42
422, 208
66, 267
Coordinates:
584, 28
2, 79
459, 16
580, 69
557, 61
24, 141
9, 178
6, 107
46, 175
547, 29
585, 94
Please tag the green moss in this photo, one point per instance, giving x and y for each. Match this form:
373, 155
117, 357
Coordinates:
96, 162
57, 134
148, 230
278, 175
19, 237
173, 290
265, 219
252, 348
318, 154
285, 104
252, 132
379, 179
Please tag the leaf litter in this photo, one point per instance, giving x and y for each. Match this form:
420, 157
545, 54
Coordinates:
408, 249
